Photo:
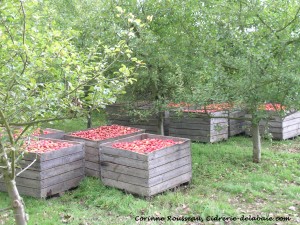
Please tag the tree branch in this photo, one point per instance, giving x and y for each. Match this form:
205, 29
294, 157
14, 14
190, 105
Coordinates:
289, 23
27, 167
39, 121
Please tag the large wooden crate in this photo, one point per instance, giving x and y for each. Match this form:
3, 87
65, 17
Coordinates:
200, 127
120, 114
91, 148
146, 174
280, 127
236, 126
52, 173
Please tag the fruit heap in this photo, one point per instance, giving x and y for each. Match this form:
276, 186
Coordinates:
178, 105
105, 132
272, 107
146, 145
42, 146
211, 108
36, 132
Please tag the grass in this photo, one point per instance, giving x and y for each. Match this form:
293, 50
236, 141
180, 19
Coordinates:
225, 183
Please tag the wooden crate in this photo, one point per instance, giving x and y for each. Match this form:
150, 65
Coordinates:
52, 173
91, 148
280, 127
236, 126
146, 174
54, 133
119, 114
199, 126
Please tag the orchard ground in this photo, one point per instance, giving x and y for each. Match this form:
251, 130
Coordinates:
225, 183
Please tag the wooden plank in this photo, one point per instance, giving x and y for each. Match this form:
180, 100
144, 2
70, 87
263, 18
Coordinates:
189, 120
92, 151
291, 134
92, 173
54, 162
191, 126
40, 175
172, 183
49, 191
144, 164
42, 157
61, 187
146, 173
146, 182
92, 158
55, 134
192, 137
106, 149
202, 133
130, 188
92, 165
40, 184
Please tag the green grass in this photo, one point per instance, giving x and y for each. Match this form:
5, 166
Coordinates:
225, 183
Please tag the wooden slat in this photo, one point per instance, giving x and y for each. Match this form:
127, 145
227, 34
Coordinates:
61, 187
54, 162
146, 182
146, 173
92, 173
203, 133
55, 134
130, 188
92, 151
144, 164
40, 175
105, 149
192, 137
92, 165
184, 178
40, 184
92, 158
42, 157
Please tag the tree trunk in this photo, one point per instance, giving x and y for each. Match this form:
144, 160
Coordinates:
89, 119
18, 207
161, 123
256, 142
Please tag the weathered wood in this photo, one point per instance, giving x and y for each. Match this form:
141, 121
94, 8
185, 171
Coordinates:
41, 175
92, 165
137, 173
55, 134
145, 164
172, 183
107, 166
52, 174
92, 149
108, 149
199, 126
280, 128
40, 184
92, 158
54, 162
49, 191
142, 191
77, 147
92, 173
147, 182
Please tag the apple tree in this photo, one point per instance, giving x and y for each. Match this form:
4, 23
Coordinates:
42, 78
248, 51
